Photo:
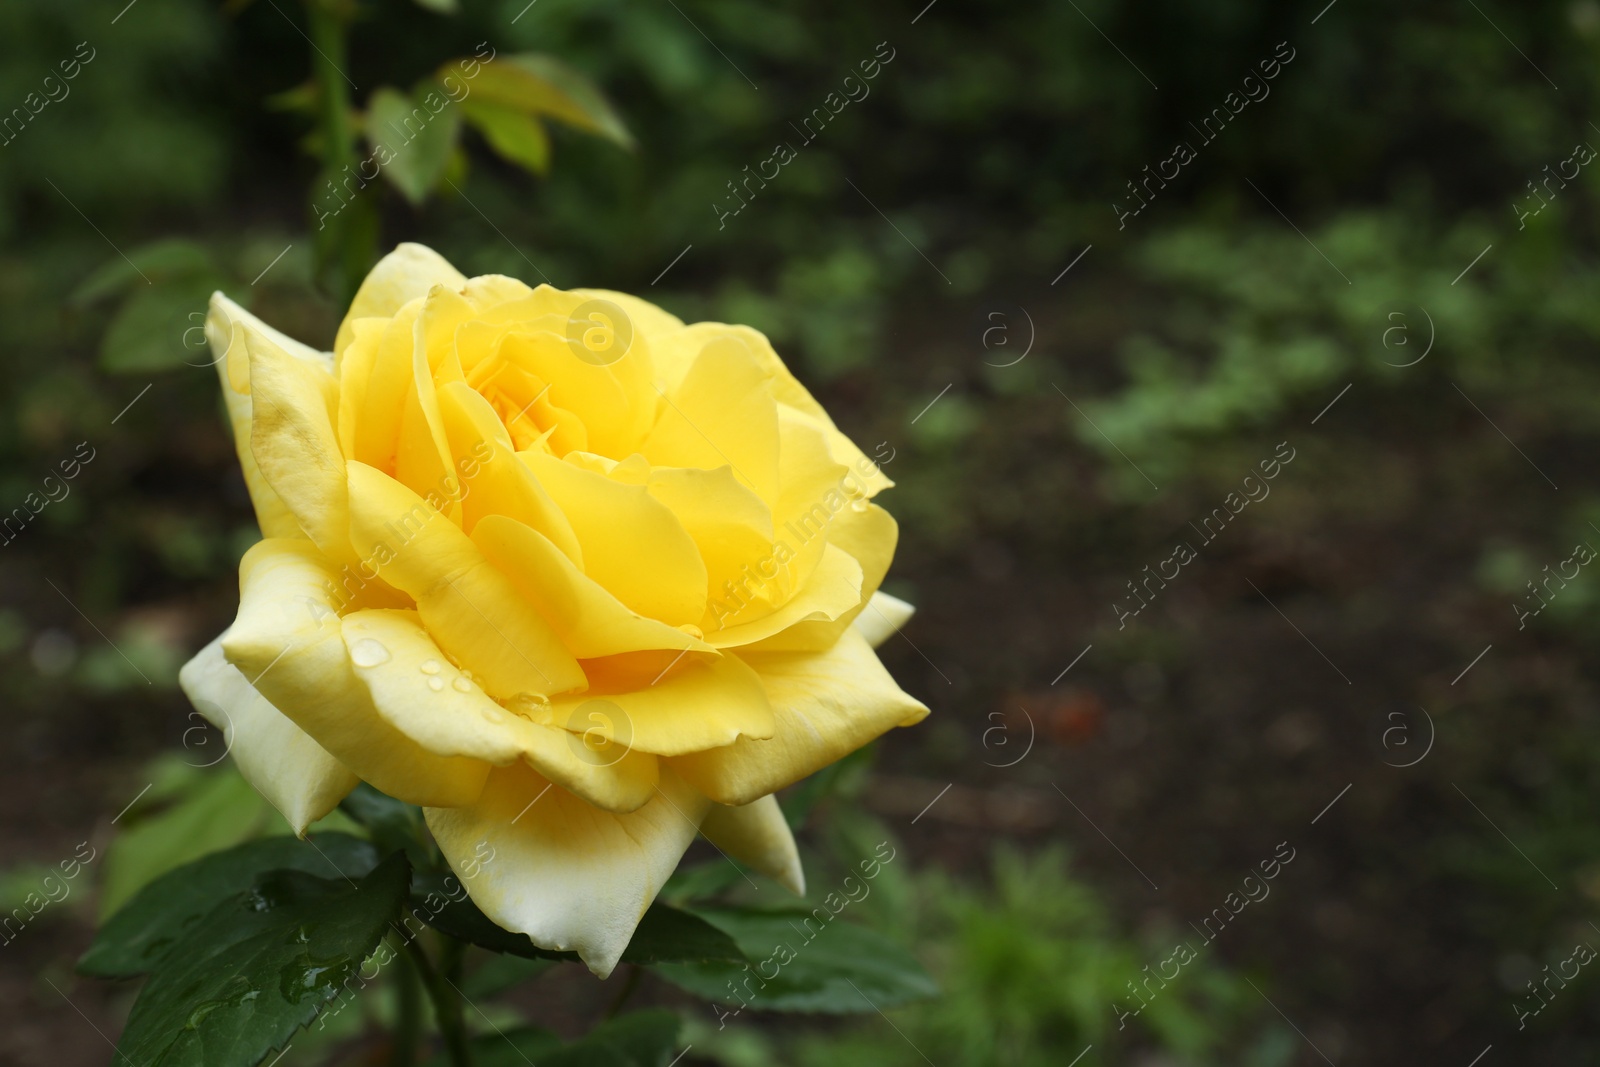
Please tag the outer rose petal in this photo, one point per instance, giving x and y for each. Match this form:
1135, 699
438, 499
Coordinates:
884, 617
287, 643
828, 705
645, 315
227, 327
757, 834
293, 440
401, 276
296, 775
570, 876
416, 690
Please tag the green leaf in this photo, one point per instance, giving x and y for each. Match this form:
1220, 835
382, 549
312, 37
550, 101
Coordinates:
159, 327
138, 935
238, 983
701, 882
212, 810
664, 934
394, 825
831, 966
516, 135
148, 264
543, 85
412, 138
667, 935
442, 7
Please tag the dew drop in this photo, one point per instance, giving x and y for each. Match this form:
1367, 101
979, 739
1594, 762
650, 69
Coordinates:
493, 715
436, 684
461, 685
368, 653
431, 666
535, 706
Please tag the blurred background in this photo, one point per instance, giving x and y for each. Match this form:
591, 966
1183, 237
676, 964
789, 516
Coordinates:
1308, 291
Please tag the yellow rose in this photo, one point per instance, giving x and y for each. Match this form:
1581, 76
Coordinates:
577, 578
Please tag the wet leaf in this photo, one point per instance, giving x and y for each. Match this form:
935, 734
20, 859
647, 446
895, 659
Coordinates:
138, 935
237, 984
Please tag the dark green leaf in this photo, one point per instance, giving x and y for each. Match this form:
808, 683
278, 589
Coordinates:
664, 934
442, 7
412, 138
828, 965
701, 882
515, 135
394, 825
667, 934
543, 85
240, 982
137, 936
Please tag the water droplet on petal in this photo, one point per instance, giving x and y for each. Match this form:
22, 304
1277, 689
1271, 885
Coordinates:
461, 685
368, 653
436, 684
431, 666
467, 675
493, 715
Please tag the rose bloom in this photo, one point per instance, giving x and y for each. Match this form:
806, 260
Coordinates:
580, 580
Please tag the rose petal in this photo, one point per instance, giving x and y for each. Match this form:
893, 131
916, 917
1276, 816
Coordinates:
227, 327
288, 644
469, 607
721, 414
884, 617
828, 704
292, 438
284, 763
589, 620
570, 876
632, 544
868, 536
690, 705
399, 277
417, 690
496, 481
757, 835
